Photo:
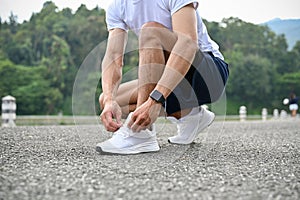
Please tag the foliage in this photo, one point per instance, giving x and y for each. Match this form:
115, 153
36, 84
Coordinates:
39, 60
33, 92
262, 70
289, 27
56, 40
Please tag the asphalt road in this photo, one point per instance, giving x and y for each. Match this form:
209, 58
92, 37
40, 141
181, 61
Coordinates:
230, 160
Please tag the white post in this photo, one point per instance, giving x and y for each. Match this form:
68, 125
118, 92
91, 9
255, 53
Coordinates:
264, 114
283, 114
9, 108
243, 113
275, 114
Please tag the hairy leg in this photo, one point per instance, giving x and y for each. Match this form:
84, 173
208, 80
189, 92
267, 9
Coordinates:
156, 41
151, 60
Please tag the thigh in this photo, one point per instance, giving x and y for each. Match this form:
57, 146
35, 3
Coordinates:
154, 31
211, 74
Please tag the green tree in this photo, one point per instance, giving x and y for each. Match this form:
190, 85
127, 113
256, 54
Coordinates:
86, 30
42, 55
251, 80
33, 92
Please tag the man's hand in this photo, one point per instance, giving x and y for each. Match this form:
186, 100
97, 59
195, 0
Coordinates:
111, 116
144, 115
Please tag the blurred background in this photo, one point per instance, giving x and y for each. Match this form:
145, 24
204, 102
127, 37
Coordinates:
42, 51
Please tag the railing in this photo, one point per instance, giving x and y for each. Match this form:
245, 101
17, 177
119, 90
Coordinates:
47, 120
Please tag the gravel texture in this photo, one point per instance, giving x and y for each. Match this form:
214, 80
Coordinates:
229, 160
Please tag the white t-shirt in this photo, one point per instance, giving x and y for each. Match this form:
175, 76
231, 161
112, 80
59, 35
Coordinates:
133, 14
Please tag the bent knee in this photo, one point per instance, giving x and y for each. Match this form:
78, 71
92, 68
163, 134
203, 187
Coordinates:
153, 25
151, 34
151, 30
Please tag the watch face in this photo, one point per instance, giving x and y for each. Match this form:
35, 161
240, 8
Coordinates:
157, 96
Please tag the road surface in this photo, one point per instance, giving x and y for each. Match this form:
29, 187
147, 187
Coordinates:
229, 160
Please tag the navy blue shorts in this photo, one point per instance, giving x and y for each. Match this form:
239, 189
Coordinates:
204, 83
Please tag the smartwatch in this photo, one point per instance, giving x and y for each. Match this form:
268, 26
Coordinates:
158, 97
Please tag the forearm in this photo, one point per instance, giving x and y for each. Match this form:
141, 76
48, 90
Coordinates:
111, 78
178, 64
112, 64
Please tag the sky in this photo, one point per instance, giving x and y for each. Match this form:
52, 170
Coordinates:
255, 11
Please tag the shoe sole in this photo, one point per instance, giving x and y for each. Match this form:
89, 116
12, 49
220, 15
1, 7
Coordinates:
196, 135
148, 147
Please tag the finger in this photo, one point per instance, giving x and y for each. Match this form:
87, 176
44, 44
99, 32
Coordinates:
119, 118
134, 127
131, 121
112, 127
105, 122
105, 117
134, 122
139, 128
109, 123
140, 125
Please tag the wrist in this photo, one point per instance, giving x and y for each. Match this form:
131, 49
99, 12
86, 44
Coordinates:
157, 97
153, 102
108, 100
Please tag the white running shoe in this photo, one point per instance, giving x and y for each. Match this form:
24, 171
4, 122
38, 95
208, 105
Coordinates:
125, 141
189, 126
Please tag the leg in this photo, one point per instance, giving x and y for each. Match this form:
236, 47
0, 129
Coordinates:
294, 113
208, 81
151, 61
155, 44
154, 41
127, 97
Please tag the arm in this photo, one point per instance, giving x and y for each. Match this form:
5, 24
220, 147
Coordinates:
183, 52
111, 77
